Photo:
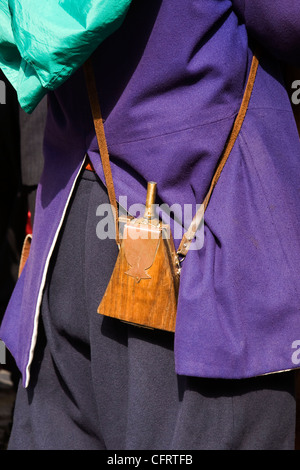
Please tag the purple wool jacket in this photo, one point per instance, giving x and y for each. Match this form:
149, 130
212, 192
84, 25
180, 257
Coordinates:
170, 84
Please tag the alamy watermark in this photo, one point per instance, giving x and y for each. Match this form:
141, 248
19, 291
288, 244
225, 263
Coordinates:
2, 353
296, 353
296, 94
176, 216
2, 92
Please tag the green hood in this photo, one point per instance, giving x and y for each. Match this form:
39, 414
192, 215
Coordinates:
43, 42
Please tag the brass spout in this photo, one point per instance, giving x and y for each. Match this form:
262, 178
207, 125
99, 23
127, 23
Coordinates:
150, 201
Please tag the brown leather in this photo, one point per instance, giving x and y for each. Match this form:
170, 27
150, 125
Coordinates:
100, 133
25, 253
144, 285
191, 232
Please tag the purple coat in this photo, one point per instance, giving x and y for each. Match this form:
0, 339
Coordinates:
170, 83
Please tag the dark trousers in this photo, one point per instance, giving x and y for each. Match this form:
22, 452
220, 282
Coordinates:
98, 383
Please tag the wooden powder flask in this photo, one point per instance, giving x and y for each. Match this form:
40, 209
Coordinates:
143, 288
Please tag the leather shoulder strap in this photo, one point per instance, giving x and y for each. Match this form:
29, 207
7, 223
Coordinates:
100, 134
191, 232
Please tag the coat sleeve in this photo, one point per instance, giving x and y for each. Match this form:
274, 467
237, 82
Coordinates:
273, 23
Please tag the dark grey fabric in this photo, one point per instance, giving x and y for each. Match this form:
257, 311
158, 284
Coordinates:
101, 384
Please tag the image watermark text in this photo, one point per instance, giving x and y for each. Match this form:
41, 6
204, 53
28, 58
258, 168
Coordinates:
2, 92
2, 353
176, 216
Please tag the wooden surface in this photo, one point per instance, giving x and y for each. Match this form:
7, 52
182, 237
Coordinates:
150, 301
25, 253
